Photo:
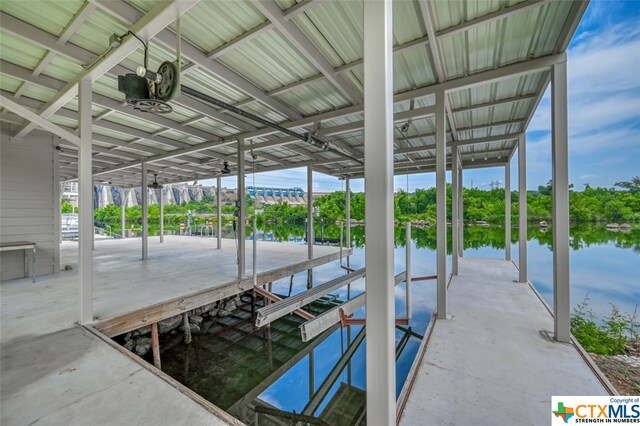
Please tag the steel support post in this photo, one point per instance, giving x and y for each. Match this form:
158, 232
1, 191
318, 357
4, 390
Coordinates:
560, 226
378, 173
123, 218
460, 214
145, 212
507, 211
85, 203
242, 207
161, 202
441, 204
219, 212
347, 185
254, 257
310, 234
408, 269
455, 164
522, 209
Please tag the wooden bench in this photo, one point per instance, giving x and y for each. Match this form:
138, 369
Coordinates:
23, 245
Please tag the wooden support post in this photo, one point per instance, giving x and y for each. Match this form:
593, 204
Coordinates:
155, 345
187, 328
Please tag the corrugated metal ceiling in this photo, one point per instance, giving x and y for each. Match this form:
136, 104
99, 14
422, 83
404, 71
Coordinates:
271, 63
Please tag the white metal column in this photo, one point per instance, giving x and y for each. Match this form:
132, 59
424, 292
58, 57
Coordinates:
219, 211
123, 218
522, 209
441, 204
145, 212
461, 211
310, 234
347, 185
378, 172
161, 202
560, 226
85, 203
242, 207
454, 209
507, 211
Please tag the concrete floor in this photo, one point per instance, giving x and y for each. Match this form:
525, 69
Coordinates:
56, 373
495, 361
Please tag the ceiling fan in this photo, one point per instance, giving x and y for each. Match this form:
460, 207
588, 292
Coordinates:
155, 184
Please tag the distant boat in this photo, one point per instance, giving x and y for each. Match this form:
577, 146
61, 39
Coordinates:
543, 224
625, 227
612, 226
482, 223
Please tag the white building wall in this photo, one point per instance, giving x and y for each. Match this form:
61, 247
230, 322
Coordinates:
29, 202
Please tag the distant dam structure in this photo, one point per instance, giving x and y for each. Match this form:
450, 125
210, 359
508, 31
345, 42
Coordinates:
175, 194
104, 195
268, 195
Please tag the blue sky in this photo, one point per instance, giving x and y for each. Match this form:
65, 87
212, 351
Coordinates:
604, 114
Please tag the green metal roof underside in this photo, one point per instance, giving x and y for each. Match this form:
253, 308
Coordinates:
230, 50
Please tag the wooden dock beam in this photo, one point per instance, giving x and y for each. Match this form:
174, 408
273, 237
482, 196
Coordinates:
155, 345
120, 324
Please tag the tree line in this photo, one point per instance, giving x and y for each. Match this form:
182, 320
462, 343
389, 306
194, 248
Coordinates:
589, 205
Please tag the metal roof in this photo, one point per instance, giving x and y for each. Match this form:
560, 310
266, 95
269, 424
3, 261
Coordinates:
298, 63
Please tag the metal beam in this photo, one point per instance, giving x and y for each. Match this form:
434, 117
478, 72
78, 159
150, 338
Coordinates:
455, 165
378, 146
464, 26
219, 212
460, 230
78, 19
560, 228
39, 121
522, 209
158, 18
297, 38
145, 211
85, 204
242, 210
441, 206
78, 54
161, 205
499, 14
507, 211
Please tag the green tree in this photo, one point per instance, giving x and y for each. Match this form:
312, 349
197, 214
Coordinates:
632, 185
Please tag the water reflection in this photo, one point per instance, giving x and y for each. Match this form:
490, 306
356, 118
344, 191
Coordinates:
269, 376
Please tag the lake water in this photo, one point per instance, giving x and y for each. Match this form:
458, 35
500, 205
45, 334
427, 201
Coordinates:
281, 375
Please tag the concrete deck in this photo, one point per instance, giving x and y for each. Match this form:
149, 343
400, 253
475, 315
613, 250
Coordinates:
54, 372
495, 361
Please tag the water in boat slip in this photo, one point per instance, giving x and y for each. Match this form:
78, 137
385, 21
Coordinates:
258, 373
